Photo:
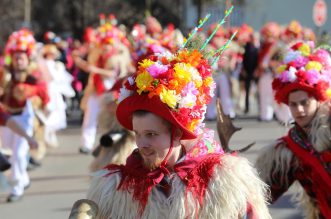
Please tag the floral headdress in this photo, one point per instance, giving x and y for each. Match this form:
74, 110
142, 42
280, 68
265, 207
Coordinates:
270, 30
182, 82
294, 29
22, 41
304, 68
108, 33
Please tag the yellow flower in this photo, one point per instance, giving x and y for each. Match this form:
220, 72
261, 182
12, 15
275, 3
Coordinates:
328, 93
146, 63
191, 126
305, 50
143, 81
208, 81
182, 72
169, 97
313, 65
281, 68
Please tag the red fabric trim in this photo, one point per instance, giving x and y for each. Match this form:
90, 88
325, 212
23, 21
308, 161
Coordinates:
321, 179
135, 178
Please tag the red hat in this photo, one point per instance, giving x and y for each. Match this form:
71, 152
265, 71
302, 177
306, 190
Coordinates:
303, 68
142, 102
174, 87
20, 41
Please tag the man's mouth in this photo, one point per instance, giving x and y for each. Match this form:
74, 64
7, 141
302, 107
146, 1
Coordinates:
146, 153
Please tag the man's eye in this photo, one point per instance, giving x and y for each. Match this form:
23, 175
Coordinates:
304, 103
151, 134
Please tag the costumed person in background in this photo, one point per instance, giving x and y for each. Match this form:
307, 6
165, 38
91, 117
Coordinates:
19, 83
118, 142
153, 27
269, 35
104, 70
59, 86
178, 170
303, 156
12, 124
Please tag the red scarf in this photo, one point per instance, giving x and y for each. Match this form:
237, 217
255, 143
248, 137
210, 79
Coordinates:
321, 179
195, 173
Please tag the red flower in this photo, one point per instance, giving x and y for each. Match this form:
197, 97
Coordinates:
204, 68
314, 57
297, 46
321, 88
276, 84
290, 64
301, 76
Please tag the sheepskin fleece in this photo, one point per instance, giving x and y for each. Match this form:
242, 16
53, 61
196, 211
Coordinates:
279, 155
234, 184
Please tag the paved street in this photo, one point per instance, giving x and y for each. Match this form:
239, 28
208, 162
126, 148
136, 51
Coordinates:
63, 177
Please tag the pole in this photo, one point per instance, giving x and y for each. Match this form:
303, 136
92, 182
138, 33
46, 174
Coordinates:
27, 13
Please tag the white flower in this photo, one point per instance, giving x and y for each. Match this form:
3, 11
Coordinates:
188, 101
195, 74
124, 93
291, 74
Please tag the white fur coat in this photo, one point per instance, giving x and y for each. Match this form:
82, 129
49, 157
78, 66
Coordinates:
277, 158
234, 184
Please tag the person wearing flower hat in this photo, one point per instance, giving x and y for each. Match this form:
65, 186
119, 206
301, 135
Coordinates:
178, 169
59, 87
106, 63
269, 42
20, 83
12, 124
303, 155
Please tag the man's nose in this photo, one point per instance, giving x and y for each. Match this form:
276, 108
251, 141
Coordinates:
141, 142
300, 108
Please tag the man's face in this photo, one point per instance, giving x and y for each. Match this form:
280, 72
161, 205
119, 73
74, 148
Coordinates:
153, 139
303, 107
20, 61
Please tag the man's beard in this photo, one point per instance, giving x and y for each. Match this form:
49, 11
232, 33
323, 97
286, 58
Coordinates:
151, 165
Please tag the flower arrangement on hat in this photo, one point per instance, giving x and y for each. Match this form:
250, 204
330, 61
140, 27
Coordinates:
22, 41
270, 31
176, 87
304, 68
182, 81
293, 29
108, 33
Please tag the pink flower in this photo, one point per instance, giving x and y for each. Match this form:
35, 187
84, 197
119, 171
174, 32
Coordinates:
190, 88
312, 76
324, 57
156, 70
300, 61
288, 76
